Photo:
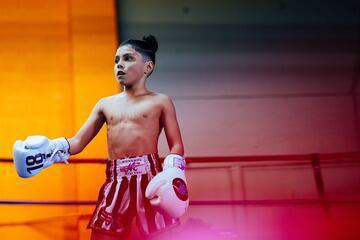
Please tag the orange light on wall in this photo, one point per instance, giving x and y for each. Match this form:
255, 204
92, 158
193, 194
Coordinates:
56, 62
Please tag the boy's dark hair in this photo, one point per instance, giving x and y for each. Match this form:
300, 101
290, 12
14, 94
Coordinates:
147, 47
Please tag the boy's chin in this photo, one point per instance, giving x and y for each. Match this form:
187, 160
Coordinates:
120, 81
123, 83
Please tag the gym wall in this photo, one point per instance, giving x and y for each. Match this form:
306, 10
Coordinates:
255, 77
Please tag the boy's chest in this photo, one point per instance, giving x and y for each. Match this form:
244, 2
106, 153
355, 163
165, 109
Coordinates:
132, 112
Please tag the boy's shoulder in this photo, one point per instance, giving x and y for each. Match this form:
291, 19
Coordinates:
107, 99
161, 96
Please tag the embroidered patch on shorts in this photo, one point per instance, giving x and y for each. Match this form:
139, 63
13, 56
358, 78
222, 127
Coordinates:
132, 166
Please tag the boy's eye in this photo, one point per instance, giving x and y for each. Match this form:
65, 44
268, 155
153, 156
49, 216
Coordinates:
127, 58
117, 59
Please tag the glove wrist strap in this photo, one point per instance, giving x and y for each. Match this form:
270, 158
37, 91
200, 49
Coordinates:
174, 160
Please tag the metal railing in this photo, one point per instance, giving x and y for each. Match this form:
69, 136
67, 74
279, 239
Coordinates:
314, 160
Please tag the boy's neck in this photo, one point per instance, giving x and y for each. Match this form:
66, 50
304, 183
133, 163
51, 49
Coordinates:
134, 91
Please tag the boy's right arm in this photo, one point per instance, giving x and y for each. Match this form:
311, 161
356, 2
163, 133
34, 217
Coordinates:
38, 152
89, 130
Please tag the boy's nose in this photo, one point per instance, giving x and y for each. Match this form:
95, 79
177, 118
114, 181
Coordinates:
120, 65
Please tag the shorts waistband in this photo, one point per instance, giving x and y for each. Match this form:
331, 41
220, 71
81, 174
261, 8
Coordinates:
129, 166
131, 157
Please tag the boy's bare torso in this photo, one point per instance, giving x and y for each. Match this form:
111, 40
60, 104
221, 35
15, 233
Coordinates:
133, 124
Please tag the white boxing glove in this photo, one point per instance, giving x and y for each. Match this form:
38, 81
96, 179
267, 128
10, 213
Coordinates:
38, 152
174, 160
167, 191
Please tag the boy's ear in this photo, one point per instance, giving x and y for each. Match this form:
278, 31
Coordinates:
149, 66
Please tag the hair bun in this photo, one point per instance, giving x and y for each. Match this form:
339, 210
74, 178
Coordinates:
152, 42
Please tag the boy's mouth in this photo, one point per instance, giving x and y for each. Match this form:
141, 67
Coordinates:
120, 73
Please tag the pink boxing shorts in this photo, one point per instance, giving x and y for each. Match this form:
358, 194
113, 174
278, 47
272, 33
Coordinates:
122, 197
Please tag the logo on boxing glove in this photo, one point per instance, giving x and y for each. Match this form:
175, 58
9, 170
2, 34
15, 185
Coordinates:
180, 189
37, 160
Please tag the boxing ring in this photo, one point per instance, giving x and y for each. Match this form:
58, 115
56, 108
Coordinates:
252, 197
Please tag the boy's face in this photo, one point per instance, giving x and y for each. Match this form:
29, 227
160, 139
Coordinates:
129, 65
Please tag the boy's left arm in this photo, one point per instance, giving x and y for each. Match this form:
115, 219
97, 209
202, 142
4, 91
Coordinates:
171, 127
167, 191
